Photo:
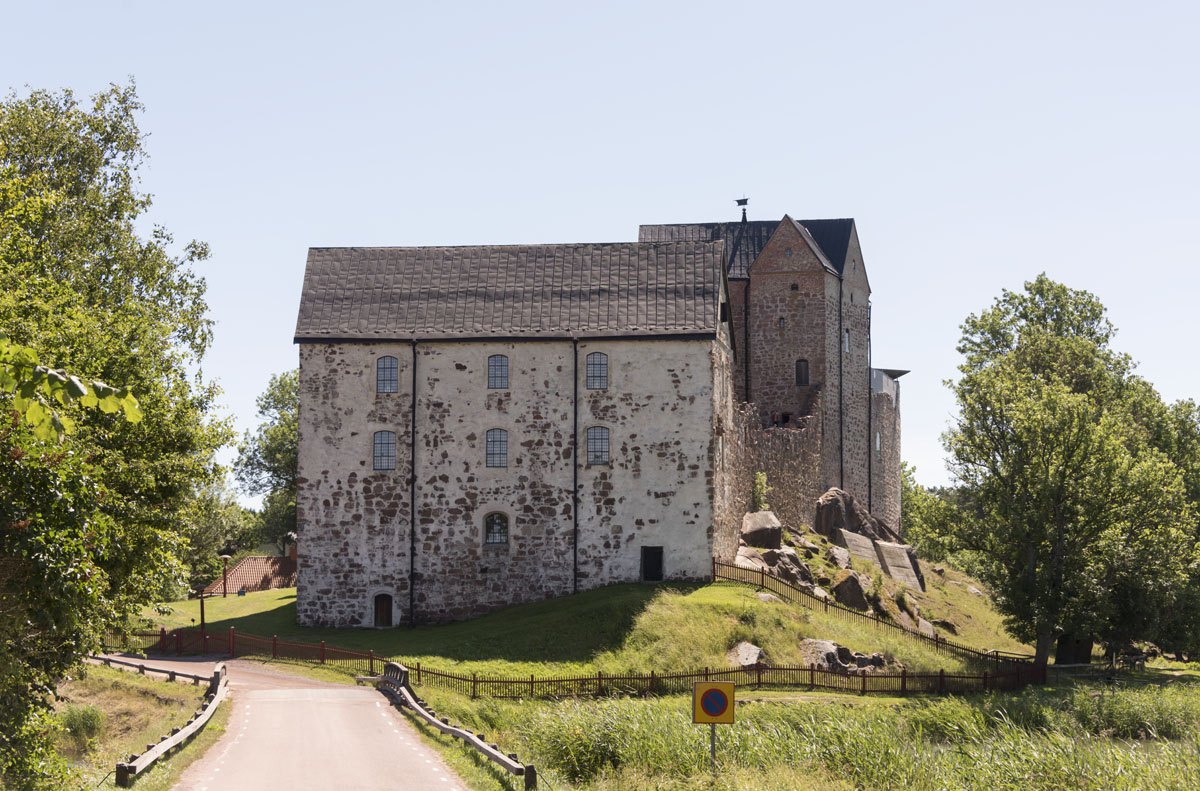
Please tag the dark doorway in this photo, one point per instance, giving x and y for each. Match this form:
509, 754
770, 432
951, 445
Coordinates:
652, 564
383, 610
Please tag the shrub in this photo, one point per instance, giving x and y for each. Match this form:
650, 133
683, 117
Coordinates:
83, 725
758, 495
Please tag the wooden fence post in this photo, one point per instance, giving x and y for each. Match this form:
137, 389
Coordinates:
812, 675
474, 685
178, 643
942, 681
757, 674
274, 646
762, 578
706, 672
651, 682
232, 643
162, 640
322, 652
531, 685
418, 673
371, 661
903, 681
985, 681
599, 683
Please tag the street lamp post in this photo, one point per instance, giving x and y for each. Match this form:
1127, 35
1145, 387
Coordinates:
225, 576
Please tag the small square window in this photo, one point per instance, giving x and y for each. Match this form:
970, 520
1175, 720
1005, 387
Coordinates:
597, 371
495, 530
387, 379
597, 445
384, 450
497, 372
497, 447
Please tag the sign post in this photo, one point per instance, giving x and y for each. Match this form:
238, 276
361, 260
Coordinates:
712, 705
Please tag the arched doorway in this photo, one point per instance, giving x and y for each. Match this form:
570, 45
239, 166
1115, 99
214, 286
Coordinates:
383, 610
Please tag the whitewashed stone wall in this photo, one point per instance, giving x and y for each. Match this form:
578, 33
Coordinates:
657, 490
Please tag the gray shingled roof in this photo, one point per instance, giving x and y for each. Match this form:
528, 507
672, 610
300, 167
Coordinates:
744, 241
583, 290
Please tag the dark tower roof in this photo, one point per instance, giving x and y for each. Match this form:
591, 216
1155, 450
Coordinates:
745, 240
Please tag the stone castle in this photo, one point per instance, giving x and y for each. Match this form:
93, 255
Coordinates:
484, 426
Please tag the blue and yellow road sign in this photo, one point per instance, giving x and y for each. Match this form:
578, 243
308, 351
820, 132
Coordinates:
712, 702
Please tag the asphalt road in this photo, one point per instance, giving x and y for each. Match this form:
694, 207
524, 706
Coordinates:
294, 733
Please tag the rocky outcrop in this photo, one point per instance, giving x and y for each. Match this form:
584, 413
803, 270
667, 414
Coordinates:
828, 655
850, 591
746, 654
783, 563
838, 510
749, 558
762, 529
838, 556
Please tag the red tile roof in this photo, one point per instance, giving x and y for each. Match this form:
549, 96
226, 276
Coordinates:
257, 573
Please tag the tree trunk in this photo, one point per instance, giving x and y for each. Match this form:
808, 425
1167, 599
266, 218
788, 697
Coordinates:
1041, 656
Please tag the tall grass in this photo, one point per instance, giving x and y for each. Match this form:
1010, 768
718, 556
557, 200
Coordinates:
1035, 740
82, 725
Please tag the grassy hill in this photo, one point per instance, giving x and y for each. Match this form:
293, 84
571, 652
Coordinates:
622, 628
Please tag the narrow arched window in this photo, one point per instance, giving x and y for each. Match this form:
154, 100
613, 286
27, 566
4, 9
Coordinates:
385, 450
597, 371
497, 447
801, 373
597, 445
497, 372
387, 378
495, 529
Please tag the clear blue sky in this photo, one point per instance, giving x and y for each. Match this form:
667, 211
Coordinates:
976, 145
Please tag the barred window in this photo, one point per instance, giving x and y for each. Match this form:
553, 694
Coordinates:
597, 445
597, 371
387, 379
497, 447
495, 529
801, 373
497, 372
385, 450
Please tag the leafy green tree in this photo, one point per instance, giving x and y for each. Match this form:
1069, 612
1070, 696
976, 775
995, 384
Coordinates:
56, 549
928, 521
91, 528
267, 458
1075, 507
215, 524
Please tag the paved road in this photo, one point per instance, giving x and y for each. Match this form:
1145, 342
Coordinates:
294, 733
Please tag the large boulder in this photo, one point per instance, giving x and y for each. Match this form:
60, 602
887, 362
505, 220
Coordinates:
762, 529
838, 510
828, 655
838, 556
822, 653
746, 654
748, 558
850, 591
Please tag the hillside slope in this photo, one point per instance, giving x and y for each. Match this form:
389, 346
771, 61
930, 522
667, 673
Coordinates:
624, 628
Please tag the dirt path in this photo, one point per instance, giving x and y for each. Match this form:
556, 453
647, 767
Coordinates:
295, 733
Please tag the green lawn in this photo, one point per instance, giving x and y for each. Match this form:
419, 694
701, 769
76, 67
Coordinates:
618, 629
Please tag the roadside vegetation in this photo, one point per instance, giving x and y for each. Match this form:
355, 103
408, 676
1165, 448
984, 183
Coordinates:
1075, 735
105, 715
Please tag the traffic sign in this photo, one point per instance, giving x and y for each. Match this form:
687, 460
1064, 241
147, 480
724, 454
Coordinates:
712, 702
